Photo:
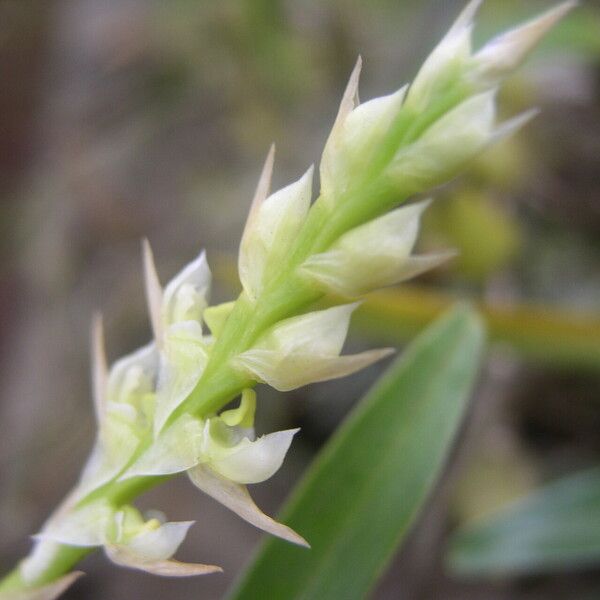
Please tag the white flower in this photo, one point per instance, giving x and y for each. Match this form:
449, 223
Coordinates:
127, 539
374, 255
272, 226
176, 316
447, 145
445, 62
184, 298
124, 403
357, 132
221, 455
305, 349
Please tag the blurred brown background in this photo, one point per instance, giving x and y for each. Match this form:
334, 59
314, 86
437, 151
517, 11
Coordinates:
129, 118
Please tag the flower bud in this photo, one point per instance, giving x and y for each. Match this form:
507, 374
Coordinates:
151, 547
185, 297
446, 146
305, 349
446, 62
357, 133
272, 226
373, 256
183, 359
502, 55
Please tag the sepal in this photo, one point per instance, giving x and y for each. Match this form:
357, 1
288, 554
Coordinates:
446, 146
272, 227
372, 256
305, 349
236, 498
356, 134
151, 549
503, 54
183, 359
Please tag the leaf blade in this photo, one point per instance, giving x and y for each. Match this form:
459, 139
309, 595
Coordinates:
364, 490
556, 527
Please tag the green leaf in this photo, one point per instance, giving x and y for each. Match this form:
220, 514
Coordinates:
557, 527
360, 497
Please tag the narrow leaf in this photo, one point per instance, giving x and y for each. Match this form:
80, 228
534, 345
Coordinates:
555, 528
365, 489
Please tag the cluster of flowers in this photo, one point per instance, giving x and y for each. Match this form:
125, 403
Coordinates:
144, 429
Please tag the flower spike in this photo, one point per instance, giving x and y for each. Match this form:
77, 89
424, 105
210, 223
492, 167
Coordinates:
163, 409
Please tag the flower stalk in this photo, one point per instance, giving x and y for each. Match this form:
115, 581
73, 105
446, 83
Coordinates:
160, 409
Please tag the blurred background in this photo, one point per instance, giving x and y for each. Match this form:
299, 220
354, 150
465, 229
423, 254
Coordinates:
129, 118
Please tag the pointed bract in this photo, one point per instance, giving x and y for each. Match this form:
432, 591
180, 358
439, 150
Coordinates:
186, 295
271, 232
304, 350
446, 146
236, 497
154, 297
505, 53
353, 142
122, 556
372, 256
99, 368
445, 63
260, 195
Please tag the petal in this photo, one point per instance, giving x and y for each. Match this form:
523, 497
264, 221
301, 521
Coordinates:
260, 195
154, 293
151, 550
447, 145
99, 368
85, 526
253, 462
133, 375
216, 317
177, 448
106, 463
440, 68
168, 568
182, 364
351, 149
328, 167
294, 371
236, 497
274, 226
47, 592
160, 543
513, 125
505, 53
320, 332
186, 295
368, 257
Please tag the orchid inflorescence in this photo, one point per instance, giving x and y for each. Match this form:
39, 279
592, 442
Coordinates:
160, 409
